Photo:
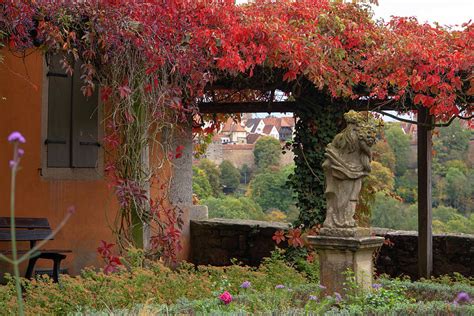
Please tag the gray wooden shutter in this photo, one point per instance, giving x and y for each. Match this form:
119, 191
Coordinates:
85, 143
59, 115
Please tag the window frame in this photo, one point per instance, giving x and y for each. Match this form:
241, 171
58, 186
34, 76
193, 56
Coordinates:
67, 173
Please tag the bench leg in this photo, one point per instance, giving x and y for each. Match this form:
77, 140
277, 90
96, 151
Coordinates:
56, 269
31, 267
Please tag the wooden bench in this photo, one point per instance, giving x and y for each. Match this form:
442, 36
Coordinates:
32, 230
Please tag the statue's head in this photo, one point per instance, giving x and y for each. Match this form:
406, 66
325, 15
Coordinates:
361, 126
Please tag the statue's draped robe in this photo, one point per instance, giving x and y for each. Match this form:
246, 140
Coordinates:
344, 171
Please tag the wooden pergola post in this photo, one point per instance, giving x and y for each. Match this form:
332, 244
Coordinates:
425, 234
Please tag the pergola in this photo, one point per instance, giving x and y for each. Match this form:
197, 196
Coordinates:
424, 144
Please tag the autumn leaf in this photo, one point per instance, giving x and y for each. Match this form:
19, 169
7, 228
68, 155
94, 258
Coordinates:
279, 236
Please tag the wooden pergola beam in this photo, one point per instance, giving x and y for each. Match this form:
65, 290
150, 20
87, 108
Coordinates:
248, 107
276, 106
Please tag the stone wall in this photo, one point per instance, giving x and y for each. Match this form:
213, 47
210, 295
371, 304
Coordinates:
239, 154
451, 253
217, 241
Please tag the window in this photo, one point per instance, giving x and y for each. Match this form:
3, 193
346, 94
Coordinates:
70, 125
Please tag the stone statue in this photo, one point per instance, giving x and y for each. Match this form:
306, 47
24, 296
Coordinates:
347, 162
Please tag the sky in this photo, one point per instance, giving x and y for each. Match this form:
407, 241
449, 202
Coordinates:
442, 11
445, 12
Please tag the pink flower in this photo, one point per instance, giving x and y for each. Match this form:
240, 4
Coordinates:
16, 137
225, 297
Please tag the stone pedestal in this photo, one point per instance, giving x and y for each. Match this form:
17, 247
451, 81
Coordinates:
337, 254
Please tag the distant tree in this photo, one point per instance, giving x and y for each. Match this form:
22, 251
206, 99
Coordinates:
459, 190
444, 213
245, 174
380, 179
213, 175
389, 212
452, 143
383, 153
234, 208
456, 224
407, 186
400, 144
275, 215
267, 152
230, 176
201, 186
270, 190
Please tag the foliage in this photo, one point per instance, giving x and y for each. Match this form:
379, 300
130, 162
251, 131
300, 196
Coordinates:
389, 212
149, 282
407, 186
212, 172
201, 186
400, 144
444, 288
245, 174
230, 176
270, 191
383, 153
149, 287
267, 153
233, 207
380, 179
275, 215
451, 143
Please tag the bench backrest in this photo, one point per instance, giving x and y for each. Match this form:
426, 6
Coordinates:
26, 228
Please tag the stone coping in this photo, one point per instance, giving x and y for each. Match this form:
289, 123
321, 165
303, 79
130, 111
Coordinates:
389, 231
243, 222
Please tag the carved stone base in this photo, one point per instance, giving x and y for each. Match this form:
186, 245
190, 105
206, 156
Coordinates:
345, 232
337, 254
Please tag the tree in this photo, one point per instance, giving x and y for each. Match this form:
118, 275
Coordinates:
389, 212
245, 174
452, 143
380, 179
267, 152
213, 175
383, 153
407, 186
201, 186
459, 191
230, 176
233, 207
270, 189
400, 144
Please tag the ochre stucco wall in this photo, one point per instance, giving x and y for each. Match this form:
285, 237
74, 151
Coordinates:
20, 110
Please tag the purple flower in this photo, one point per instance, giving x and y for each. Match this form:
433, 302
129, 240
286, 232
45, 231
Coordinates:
16, 137
376, 286
338, 297
245, 284
280, 286
462, 297
12, 163
313, 298
20, 152
322, 287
